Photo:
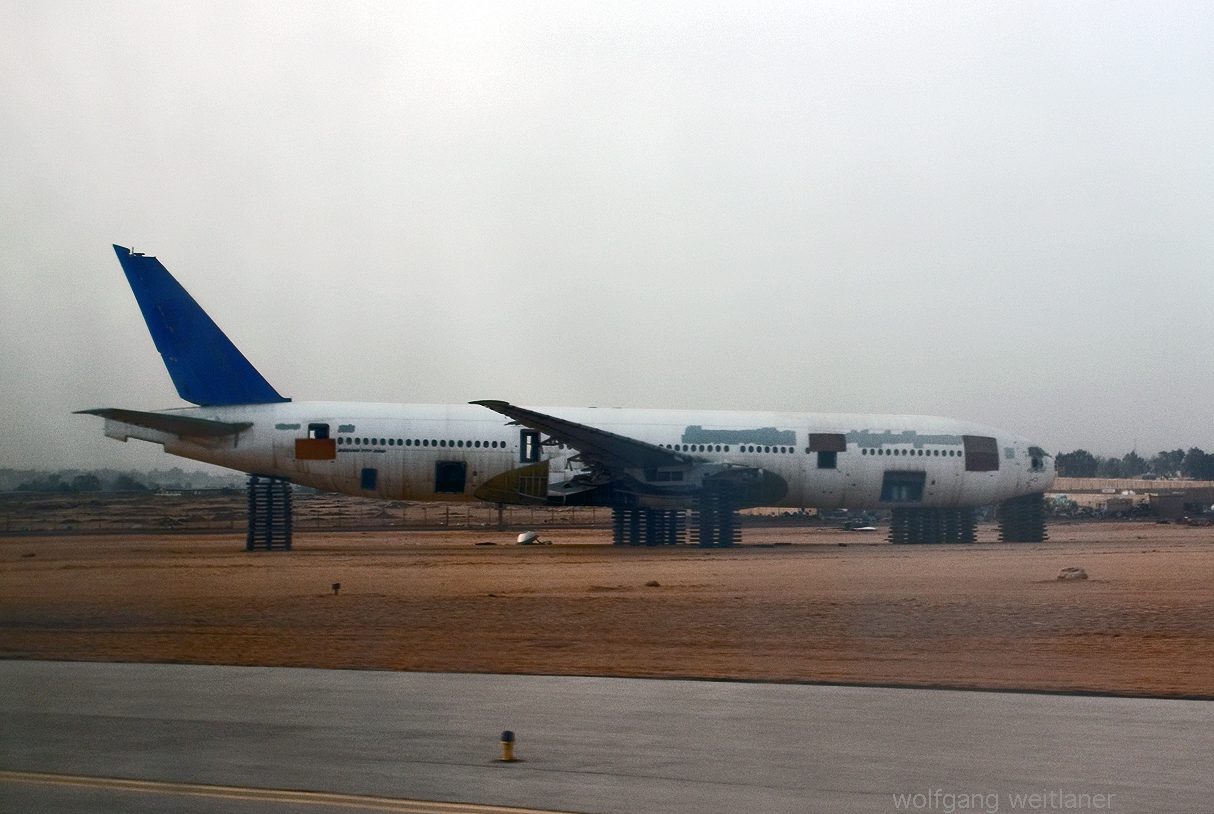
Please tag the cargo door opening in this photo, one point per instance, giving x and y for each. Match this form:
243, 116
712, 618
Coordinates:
318, 446
827, 445
903, 487
450, 477
981, 453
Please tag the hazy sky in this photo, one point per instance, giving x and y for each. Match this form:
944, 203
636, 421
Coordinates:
1002, 212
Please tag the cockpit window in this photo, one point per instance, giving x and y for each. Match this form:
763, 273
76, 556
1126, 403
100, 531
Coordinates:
1037, 457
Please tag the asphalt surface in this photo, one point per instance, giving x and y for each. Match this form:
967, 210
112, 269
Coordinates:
148, 737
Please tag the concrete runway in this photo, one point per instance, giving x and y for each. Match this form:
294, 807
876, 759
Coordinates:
237, 739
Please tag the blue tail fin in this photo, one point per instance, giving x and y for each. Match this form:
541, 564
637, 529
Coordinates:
205, 366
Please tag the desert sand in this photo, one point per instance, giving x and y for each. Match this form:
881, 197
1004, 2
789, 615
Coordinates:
792, 604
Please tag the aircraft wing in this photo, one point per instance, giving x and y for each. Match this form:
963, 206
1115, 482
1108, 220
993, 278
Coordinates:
595, 445
184, 426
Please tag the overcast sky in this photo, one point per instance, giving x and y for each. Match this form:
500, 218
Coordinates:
1001, 212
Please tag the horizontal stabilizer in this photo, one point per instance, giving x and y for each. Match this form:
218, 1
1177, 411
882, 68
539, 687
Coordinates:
205, 366
184, 426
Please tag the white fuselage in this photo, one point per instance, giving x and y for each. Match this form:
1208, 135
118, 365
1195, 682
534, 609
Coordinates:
405, 444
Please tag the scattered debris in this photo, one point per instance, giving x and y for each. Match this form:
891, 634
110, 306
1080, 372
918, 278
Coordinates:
336, 588
653, 583
1071, 572
532, 538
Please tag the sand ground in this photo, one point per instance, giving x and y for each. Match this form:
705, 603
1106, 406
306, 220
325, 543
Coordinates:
790, 605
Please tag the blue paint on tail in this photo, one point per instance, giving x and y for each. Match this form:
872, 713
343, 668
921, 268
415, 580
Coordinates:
206, 367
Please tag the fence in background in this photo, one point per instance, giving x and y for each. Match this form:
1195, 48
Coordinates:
89, 513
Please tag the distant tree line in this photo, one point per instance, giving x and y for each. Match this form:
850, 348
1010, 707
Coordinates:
1178, 463
73, 481
84, 482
